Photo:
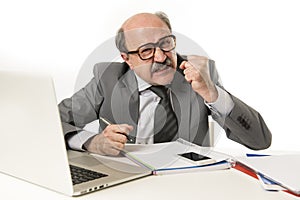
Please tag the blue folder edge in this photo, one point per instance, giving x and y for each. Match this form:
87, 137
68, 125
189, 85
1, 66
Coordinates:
194, 167
264, 179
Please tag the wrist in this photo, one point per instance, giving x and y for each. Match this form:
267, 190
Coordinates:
211, 95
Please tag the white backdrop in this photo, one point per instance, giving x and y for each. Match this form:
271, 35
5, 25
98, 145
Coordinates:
255, 45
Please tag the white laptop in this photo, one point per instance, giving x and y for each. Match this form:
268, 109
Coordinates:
32, 143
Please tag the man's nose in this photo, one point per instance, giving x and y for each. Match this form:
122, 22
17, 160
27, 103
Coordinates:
159, 55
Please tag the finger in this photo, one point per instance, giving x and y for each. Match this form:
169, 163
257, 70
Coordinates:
195, 58
115, 149
190, 66
118, 132
115, 136
112, 151
120, 128
191, 77
198, 62
118, 146
125, 128
101, 145
189, 69
182, 65
109, 147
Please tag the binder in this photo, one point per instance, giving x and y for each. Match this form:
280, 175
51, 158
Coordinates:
281, 171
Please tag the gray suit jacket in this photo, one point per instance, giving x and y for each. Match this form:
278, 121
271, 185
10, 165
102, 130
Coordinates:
113, 94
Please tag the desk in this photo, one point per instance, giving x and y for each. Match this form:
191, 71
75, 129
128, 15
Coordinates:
220, 185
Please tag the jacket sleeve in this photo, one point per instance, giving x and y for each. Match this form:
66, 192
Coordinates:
83, 107
242, 124
245, 126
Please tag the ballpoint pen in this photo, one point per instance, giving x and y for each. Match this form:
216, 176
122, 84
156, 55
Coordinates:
107, 122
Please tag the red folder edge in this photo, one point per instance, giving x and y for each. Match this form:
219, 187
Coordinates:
240, 167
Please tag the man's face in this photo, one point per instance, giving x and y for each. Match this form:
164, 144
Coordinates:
159, 69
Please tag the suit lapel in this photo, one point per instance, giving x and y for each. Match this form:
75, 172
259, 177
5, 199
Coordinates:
125, 95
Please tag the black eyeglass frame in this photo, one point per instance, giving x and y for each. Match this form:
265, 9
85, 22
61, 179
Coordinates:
157, 44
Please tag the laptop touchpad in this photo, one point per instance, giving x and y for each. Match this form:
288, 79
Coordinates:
85, 160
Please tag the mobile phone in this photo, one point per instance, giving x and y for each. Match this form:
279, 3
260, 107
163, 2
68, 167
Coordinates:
197, 158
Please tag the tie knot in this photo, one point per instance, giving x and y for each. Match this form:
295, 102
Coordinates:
160, 90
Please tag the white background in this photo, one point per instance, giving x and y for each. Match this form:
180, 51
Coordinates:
255, 45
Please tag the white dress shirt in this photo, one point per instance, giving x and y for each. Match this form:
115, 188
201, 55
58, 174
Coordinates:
148, 102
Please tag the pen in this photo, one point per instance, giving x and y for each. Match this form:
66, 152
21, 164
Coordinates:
129, 138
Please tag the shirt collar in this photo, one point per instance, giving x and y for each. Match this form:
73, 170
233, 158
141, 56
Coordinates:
142, 85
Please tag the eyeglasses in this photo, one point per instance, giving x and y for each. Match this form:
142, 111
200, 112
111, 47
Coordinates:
147, 51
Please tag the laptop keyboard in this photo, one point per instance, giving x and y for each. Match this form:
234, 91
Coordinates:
81, 175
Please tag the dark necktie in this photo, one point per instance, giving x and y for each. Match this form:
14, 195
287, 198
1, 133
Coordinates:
165, 121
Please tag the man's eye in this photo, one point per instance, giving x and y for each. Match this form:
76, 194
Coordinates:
166, 43
146, 51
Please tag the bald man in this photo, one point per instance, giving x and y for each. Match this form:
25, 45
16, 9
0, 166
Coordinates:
122, 98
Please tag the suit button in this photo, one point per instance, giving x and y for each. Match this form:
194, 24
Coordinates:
239, 118
243, 122
247, 126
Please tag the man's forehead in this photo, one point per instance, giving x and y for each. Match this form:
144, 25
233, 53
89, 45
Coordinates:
140, 36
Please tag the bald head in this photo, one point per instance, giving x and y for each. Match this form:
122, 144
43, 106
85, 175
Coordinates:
144, 20
141, 21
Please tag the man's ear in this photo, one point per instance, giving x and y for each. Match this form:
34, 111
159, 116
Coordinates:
124, 56
126, 59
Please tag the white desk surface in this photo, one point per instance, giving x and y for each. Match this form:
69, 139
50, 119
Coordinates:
224, 184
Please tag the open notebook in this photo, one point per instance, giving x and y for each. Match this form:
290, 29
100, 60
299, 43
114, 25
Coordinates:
166, 157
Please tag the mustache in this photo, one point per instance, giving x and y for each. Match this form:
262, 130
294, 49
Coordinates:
156, 66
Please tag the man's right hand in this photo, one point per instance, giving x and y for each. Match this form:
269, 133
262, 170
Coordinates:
111, 141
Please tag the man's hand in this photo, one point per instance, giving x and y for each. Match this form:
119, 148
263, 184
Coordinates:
196, 72
111, 141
